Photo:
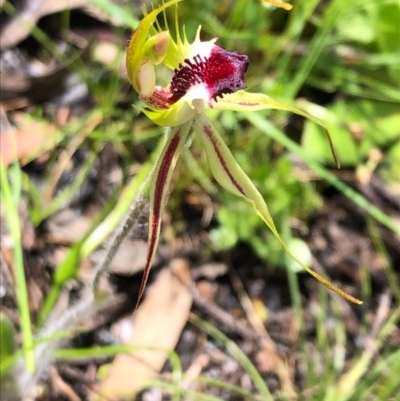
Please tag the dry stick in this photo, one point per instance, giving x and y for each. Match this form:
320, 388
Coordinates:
258, 325
62, 387
216, 311
221, 315
260, 332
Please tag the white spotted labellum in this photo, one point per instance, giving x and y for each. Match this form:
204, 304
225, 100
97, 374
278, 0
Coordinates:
204, 76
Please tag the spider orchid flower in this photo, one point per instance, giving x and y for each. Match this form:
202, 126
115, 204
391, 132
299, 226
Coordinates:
204, 76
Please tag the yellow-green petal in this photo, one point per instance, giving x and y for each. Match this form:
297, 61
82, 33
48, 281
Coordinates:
177, 114
247, 101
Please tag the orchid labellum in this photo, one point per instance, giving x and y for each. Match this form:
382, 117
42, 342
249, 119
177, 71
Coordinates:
204, 76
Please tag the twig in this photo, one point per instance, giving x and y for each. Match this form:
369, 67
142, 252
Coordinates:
222, 316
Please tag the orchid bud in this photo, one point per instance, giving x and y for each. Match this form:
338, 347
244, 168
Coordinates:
161, 46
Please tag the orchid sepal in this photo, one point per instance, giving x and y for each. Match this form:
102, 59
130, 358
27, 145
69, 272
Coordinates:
159, 182
231, 176
139, 51
178, 113
247, 101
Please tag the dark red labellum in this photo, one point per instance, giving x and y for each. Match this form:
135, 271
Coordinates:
222, 72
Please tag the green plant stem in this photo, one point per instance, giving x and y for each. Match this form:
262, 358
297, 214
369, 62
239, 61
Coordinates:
268, 128
14, 227
333, 11
134, 213
298, 18
95, 237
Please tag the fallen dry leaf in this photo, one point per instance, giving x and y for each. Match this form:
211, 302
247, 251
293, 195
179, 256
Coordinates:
158, 323
31, 139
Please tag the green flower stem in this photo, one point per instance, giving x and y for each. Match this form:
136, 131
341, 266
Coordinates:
96, 236
134, 213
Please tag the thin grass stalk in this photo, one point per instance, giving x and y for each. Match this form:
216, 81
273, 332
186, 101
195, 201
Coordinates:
269, 129
10, 202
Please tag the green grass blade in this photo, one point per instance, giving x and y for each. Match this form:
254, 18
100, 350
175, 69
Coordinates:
96, 236
269, 129
334, 10
10, 201
116, 11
